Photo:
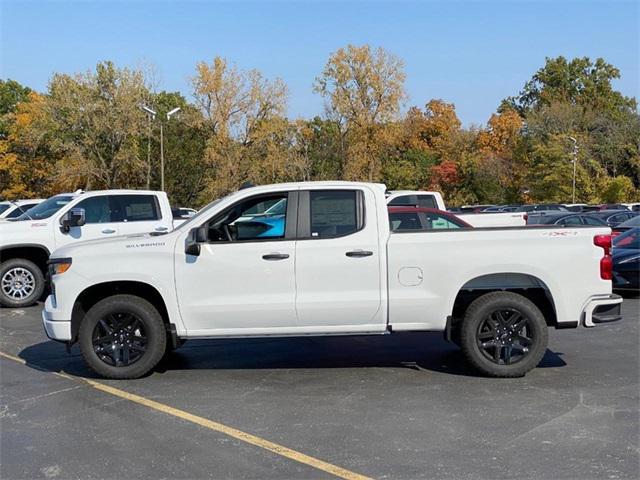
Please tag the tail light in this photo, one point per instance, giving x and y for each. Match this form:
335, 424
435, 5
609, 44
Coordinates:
526, 217
606, 262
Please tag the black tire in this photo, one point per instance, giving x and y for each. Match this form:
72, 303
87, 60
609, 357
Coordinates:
486, 334
117, 325
12, 272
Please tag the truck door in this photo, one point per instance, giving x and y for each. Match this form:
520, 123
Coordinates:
243, 280
138, 213
99, 222
338, 261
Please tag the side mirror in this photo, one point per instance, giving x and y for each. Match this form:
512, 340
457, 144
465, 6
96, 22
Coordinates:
194, 239
73, 218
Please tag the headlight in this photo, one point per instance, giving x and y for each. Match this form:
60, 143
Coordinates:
58, 266
634, 258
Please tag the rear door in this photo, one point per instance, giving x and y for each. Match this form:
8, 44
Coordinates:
138, 213
338, 262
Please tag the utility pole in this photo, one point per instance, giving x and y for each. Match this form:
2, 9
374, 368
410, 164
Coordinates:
574, 160
152, 116
162, 159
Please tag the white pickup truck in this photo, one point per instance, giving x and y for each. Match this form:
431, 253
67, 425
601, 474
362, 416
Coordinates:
26, 241
426, 199
318, 258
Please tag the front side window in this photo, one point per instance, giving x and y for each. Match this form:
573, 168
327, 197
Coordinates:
252, 219
96, 209
334, 213
135, 208
21, 209
571, 221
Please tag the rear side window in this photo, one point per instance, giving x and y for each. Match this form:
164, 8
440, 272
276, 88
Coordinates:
435, 221
594, 221
404, 221
135, 208
334, 213
571, 221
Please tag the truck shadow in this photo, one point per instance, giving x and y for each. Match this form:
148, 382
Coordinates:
418, 351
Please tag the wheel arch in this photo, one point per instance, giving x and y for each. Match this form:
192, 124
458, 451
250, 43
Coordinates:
93, 294
528, 285
38, 254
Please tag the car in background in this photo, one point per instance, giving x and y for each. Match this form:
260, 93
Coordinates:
581, 207
11, 209
634, 207
626, 260
613, 217
420, 218
502, 208
564, 219
626, 225
541, 207
613, 206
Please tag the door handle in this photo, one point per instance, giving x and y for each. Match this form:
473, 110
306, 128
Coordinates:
275, 256
108, 230
161, 229
359, 253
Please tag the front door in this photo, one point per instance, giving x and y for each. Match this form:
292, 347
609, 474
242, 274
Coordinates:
243, 280
99, 222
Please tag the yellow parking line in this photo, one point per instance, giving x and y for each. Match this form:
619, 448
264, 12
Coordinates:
215, 426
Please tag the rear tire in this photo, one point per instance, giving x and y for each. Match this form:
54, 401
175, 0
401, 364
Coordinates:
503, 334
122, 337
21, 283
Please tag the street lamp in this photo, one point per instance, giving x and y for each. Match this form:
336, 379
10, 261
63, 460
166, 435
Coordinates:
152, 116
574, 161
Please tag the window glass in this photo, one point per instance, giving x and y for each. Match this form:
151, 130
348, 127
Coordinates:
96, 209
21, 209
435, 221
427, 201
574, 220
259, 218
333, 213
135, 208
3, 207
404, 221
46, 208
593, 221
405, 200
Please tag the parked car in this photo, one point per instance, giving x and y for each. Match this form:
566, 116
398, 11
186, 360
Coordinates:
26, 242
626, 225
580, 207
336, 269
613, 217
613, 206
434, 200
13, 209
542, 207
416, 219
565, 219
626, 260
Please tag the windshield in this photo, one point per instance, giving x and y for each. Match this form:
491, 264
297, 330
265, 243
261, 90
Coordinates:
46, 208
201, 212
3, 207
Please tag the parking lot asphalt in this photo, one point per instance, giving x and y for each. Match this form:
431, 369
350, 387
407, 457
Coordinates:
399, 406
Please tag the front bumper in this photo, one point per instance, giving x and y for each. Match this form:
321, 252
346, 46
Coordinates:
55, 328
602, 310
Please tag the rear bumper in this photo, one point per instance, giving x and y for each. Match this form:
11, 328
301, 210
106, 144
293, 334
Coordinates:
56, 329
602, 310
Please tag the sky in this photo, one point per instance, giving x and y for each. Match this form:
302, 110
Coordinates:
472, 54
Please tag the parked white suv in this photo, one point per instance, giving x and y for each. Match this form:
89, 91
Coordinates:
26, 242
324, 262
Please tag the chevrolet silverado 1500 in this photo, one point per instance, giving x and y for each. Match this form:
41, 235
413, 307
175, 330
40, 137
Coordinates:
333, 267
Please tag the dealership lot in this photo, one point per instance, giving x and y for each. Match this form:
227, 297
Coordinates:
398, 406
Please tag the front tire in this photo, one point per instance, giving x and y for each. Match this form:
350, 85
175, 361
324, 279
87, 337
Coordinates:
503, 334
21, 283
122, 337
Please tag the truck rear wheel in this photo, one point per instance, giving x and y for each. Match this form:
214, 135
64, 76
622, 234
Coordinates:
122, 337
21, 283
503, 334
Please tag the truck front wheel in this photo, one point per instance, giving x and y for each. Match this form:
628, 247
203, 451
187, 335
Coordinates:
122, 337
503, 334
21, 283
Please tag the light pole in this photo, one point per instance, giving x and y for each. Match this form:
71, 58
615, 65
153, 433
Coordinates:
152, 116
575, 161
